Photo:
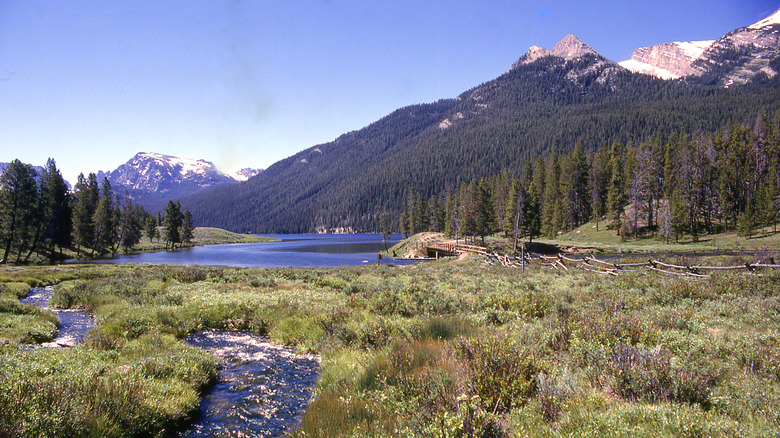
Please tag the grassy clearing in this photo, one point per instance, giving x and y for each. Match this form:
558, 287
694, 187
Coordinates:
440, 349
607, 240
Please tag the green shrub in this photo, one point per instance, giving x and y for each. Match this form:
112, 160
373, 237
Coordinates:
441, 328
34, 282
553, 391
15, 290
297, 331
759, 354
501, 373
650, 376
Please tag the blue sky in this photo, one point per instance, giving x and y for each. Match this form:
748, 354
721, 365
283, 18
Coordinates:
247, 83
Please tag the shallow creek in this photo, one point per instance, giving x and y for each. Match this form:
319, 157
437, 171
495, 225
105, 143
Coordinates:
262, 389
74, 324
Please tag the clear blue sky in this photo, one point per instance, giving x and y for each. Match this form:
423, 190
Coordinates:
247, 83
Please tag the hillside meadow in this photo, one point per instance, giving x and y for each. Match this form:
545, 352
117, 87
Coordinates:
442, 349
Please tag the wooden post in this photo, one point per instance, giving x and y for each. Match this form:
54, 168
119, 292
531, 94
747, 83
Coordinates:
522, 257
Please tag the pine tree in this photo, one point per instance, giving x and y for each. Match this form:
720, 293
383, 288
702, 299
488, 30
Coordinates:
150, 227
483, 219
599, 176
86, 197
514, 219
131, 223
553, 215
106, 234
18, 205
468, 209
616, 193
57, 201
666, 229
532, 215
574, 187
187, 227
172, 224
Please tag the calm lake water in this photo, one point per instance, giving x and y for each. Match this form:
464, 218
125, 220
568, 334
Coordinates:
294, 250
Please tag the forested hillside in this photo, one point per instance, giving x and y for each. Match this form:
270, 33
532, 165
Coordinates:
545, 106
680, 186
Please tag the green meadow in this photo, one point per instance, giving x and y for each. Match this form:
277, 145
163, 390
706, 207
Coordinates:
443, 349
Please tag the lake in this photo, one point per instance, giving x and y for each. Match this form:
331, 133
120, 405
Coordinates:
294, 250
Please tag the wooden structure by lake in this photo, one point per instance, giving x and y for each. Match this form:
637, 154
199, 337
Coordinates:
451, 249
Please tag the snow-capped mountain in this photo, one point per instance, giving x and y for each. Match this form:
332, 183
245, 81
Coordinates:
160, 173
152, 179
736, 57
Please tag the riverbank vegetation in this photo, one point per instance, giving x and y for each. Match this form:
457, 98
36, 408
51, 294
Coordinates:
204, 236
453, 348
41, 220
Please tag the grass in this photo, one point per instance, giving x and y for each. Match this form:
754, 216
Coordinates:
586, 236
447, 348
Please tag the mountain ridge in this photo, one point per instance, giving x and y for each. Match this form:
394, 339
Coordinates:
735, 58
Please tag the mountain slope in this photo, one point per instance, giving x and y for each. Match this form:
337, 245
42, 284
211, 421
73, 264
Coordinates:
740, 55
667, 60
736, 57
544, 103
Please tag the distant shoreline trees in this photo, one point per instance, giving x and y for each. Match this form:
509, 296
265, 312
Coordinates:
39, 216
683, 185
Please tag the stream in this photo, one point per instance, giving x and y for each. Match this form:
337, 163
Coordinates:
74, 323
262, 389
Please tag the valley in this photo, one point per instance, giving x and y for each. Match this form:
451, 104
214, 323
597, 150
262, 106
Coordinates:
621, 277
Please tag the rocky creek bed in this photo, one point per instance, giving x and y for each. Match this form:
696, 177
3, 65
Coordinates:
262, 389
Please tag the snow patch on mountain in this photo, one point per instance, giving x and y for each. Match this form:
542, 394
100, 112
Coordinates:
636, 66
693, 49
768, 21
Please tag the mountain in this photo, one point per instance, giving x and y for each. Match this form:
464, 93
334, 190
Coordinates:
735, 58
548, 101
667, 60
152, 179
245, 173
570, 47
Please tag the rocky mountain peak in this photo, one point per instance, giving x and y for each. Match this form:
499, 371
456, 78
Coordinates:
570, 47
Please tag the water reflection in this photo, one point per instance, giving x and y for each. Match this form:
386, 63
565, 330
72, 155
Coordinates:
295, 250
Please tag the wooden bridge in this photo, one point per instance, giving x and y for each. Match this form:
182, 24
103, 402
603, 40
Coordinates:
449, 249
